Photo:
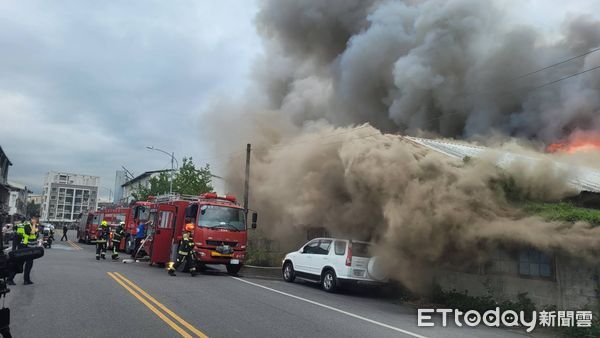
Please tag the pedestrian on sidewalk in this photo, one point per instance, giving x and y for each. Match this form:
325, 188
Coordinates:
65, 229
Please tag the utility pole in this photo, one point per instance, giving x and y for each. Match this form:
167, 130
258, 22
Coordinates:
128, 173
171, 180
247, 182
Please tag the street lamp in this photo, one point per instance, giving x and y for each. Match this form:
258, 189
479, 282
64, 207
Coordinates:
172, 155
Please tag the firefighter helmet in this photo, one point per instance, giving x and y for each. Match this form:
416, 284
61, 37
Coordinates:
122, 223
104, 223
189, 227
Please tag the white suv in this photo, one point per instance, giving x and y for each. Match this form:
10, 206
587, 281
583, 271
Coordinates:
332, 262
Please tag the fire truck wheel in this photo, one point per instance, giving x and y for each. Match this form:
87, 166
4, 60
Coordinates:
233, 269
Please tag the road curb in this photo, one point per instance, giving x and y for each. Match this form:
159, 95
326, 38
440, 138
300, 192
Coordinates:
264, 272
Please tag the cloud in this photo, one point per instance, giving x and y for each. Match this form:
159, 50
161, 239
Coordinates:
85, 86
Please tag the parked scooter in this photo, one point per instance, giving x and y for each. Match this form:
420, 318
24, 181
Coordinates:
47, 238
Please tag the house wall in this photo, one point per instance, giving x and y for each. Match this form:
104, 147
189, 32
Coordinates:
573, 286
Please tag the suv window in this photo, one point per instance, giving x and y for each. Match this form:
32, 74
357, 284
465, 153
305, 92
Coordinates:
361, 249
310, 247
323, 248
340, 248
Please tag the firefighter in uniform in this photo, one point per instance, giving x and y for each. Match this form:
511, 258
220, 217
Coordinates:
102, 240
185, 251
116, 240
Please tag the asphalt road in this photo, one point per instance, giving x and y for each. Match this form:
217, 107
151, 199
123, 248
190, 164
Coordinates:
76, 296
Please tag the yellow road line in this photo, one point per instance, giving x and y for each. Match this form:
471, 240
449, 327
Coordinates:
164, 308
151, 307
74, 245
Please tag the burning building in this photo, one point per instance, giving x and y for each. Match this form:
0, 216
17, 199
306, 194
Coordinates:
339, 80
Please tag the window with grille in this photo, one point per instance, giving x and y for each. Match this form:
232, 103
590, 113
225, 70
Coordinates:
534, 263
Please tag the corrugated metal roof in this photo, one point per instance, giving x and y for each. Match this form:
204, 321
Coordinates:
582, 178
145, 174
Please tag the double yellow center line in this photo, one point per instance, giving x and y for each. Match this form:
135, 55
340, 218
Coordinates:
77, 247
148, 300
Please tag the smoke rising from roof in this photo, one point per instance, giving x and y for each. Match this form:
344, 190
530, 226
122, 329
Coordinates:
441, 67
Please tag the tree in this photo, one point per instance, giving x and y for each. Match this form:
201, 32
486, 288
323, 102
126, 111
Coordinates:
158, 185
32, 209
188, 180
192, 181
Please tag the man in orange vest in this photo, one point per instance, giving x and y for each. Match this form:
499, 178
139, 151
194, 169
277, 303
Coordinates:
185, 251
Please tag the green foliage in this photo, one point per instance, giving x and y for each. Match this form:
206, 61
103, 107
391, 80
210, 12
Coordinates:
188, 180
33, 209
508, 186
262, 257
563, 211
464, 302
192, 181
257, 256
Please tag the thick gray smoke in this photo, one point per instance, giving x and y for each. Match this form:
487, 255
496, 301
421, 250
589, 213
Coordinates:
437, 67
443, 66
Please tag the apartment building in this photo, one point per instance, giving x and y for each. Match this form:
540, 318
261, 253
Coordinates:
17, 203
66, 195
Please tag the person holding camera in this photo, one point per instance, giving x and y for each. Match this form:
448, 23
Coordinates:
26, 236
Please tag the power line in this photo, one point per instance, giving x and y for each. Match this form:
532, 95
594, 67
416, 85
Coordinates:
563, 78
530, 89
555, 64
524, 89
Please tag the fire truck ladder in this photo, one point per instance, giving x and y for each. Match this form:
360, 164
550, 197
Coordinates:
175, 197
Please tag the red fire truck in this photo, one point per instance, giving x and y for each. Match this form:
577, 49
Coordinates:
86, 230
220, 231
131, 215
138, 212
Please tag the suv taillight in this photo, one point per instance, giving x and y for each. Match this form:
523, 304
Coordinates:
349, 256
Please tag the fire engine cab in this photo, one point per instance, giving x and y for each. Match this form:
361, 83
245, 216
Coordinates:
220, 229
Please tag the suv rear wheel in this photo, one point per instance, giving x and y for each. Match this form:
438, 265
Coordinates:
329, 281
288, 272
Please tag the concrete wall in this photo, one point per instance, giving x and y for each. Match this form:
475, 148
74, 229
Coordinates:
573, 285
578, 282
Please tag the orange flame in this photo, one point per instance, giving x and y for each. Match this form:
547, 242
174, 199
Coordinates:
578, 141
